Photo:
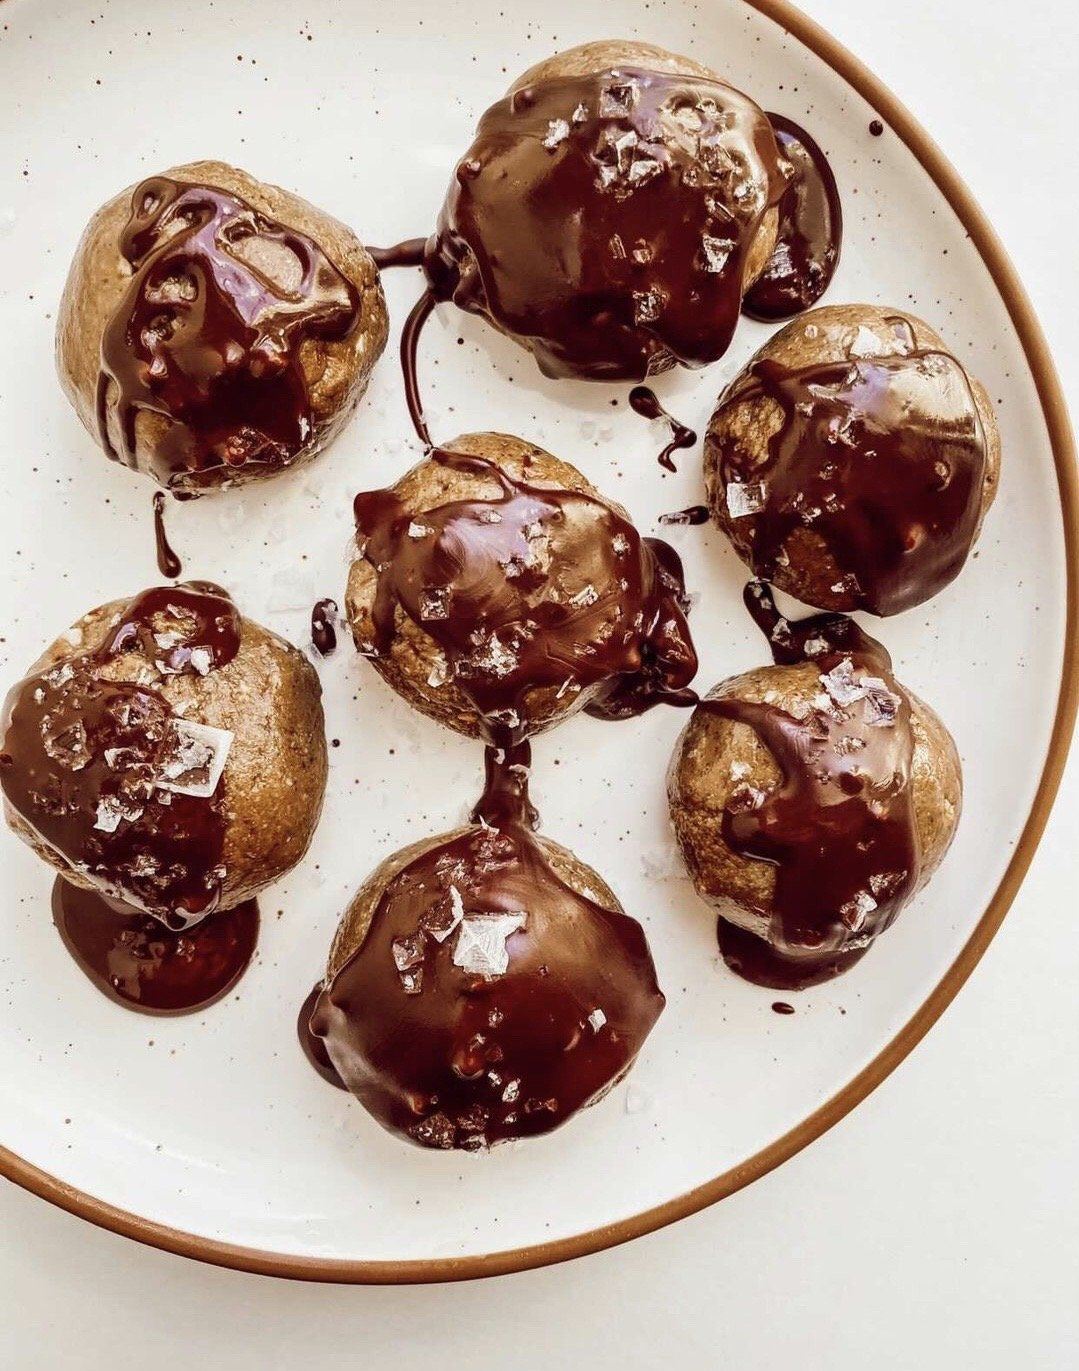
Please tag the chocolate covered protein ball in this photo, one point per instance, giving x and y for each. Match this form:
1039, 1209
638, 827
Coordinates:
498, 592
811, 800
168, 758
853, 460
611, 212
214, 329
484, 985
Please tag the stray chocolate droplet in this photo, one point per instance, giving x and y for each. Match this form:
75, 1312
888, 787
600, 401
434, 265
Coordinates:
323, 630
782, 1007
643, 401
876, 128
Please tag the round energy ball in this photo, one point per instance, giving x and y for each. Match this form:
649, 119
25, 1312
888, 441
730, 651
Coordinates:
214, 329
851, 463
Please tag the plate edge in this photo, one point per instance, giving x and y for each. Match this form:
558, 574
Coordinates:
423, 1271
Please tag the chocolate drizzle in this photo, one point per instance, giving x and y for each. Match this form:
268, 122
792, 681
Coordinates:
643, 401
604, 220
839, 828
167, 561
135, 960
882, 458
210, 332
102, 770
534, 589
810, 232
487, 999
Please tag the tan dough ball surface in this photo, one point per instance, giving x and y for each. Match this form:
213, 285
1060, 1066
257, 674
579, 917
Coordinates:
336, 371
715, 756
819, 336
356, 919
614, 52
274, 780
413, 655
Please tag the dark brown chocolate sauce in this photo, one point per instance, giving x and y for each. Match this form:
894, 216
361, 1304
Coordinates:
643, 401
782, 1007
314, 1049
810, 232
134, 959
87, 760
876, 128
167, 561
487, 1000
534, 588
695, 515
410, 253
206, 338
883, 458
839, 828
323, 630
410, 337
604, 220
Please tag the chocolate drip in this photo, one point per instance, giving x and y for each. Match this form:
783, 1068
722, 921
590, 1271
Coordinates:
210, 334
407, 254
487, 1000
604, 220
93, 765
533, 589
810, 232
323, 630
167, 561
643, 401
410, 337
839, 828
505, 799
694, 515
314, 1049
133, 959
882, 458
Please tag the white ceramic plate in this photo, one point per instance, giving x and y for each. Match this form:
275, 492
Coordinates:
214, 1125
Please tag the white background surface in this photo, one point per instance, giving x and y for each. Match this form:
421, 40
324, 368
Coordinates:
939, 1225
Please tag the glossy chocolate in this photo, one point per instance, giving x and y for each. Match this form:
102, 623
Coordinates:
694, 516
810, 232
644, 401
324, 627
604, 220
533, 589
839, 828
167, 561
487, 1000
87, 761
882, 458
206, 339
134, 959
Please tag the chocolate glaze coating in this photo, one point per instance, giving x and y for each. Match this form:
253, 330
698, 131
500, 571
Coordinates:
498, 592
214, 329
102, 721
811, 799
810, 232
485, 985
609, 217
853, 460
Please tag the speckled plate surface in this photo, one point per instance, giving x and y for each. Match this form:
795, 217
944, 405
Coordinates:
210, 1134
